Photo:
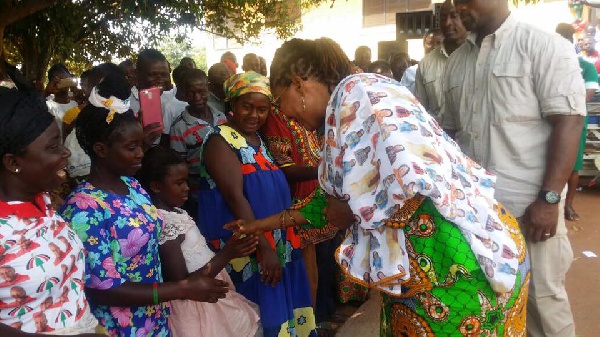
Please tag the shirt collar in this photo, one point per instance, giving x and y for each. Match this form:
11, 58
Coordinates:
24, 210
500, 35
503, 32
190, 120
135, 92
443, 50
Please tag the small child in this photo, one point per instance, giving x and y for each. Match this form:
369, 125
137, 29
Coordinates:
183, 250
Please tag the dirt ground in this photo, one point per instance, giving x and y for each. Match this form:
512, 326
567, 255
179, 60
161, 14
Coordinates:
583, 279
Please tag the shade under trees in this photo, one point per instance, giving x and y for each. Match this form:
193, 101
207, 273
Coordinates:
36, 32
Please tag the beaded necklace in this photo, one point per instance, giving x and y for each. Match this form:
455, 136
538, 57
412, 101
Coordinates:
307, 142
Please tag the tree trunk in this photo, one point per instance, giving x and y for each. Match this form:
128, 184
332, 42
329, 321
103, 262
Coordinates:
12, 13
36, 55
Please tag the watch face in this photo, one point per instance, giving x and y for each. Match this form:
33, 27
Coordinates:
552, 197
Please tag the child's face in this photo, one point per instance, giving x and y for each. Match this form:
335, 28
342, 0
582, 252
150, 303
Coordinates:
174, 190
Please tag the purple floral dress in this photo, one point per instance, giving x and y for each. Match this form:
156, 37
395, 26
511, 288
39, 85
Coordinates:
120, 234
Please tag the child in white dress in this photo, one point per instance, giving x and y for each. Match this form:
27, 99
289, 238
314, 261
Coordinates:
184, 250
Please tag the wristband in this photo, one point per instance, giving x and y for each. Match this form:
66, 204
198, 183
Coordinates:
155, 293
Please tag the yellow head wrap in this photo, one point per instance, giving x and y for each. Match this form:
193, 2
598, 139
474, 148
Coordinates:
243, 83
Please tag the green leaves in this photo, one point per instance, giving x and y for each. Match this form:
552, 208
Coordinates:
80, 32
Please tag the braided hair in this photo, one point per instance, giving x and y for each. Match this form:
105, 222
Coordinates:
91, 126
321, 59
23, 118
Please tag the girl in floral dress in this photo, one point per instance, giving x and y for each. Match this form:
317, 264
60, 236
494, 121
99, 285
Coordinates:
184, 250
119, 226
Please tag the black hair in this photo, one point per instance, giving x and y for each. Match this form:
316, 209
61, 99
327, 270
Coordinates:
379, 64
193, 74
109, 68
92, 127
155, 164
86, 74
24, 116
359, 50
214, 70
126, 63
565, 30
57, 68
179, 74
321, 59
187, 58
399, 56
229, 56
248, 56
150, 55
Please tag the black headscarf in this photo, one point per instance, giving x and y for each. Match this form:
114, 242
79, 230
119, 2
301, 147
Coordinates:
23, 117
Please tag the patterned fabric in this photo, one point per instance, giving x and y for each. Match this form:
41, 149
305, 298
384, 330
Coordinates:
187, 136
285, 309
448, 293
291, 144
120, 234
230, 316
243, 83
41, 268
387, 150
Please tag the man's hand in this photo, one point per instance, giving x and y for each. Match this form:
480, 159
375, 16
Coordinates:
338, 213
540, 221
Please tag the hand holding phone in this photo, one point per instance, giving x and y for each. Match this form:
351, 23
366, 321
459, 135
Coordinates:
69, 82
150, 106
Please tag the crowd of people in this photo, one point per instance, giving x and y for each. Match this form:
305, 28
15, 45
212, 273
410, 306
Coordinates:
258, 203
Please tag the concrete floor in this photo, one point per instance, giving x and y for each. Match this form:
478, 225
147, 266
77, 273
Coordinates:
583, 279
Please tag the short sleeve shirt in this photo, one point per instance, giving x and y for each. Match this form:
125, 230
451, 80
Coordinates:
120, 234
498, 97
187, 136
41, 268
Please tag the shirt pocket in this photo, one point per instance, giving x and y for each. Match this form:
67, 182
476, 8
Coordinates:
452, 90
513, 94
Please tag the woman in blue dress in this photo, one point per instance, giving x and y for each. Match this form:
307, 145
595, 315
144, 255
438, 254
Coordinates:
243, 182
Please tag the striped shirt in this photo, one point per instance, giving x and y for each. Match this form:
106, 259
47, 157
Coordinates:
188, 134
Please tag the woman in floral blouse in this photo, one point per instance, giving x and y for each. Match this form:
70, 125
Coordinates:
120, 227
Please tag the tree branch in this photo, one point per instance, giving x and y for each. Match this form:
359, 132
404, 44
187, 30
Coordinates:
23, 9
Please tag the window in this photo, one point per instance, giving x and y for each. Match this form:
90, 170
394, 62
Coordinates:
383, 12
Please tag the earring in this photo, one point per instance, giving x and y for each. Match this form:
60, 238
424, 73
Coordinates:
303, 105
17, 170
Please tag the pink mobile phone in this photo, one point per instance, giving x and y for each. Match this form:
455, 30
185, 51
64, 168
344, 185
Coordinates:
150, 106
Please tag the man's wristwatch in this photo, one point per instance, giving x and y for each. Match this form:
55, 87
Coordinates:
549, 196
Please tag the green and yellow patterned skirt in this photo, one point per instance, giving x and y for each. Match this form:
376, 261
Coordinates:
448, 293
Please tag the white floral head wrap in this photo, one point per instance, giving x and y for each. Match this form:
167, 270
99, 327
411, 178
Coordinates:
113, 104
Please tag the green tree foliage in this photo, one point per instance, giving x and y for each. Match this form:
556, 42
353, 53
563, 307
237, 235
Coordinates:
80, 32
176, 49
